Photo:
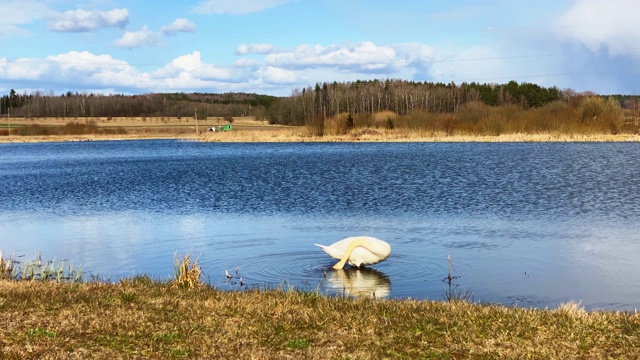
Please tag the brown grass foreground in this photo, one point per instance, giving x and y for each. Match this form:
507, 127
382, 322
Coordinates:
141, 318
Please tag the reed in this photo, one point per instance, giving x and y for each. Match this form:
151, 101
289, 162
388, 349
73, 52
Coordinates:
7, 267
187, 273
39, 270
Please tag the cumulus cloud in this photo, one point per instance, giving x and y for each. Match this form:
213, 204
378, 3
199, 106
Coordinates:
83, 21
245, 49
179, 25
82, 69
274, 75
85, 70
136, 39
365, 57
277, 72
192, 67
603, 25
236, 7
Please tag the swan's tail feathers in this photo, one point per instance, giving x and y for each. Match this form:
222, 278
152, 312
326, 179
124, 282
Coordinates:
325, 248
334, 253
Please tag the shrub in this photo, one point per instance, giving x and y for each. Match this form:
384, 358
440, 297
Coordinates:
35, 130
472, 112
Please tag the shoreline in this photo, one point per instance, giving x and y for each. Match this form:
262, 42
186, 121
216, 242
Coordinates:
139, 317
364, 135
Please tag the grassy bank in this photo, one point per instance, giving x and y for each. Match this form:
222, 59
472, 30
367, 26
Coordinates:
363, 135
141, 318
249, 130
302, 134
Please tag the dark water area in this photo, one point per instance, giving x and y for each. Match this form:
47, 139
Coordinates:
525, 224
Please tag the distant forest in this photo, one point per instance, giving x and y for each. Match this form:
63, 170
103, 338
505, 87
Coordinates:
410, 104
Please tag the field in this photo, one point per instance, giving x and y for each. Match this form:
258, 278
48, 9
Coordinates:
247, 129
67, 129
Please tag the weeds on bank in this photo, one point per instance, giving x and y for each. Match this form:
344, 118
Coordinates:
37, 269
187, 273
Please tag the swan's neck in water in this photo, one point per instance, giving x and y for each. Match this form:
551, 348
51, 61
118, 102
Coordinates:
347, 253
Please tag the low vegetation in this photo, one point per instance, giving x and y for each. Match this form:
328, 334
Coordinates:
593, 115
420, 109
144, 318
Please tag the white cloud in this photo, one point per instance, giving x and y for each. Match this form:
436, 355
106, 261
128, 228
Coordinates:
307, 64
144, 37
608, 25
236, 7
365, 57
179, 25
274, 75
82, 69
192, 67
82, 20
245, 49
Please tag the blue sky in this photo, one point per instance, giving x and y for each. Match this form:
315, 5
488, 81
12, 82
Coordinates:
275, 46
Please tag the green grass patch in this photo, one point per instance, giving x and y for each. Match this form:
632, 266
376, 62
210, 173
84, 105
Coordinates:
40, 332
299, 343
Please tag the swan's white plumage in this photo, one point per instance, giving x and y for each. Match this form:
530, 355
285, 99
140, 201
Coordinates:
368, 251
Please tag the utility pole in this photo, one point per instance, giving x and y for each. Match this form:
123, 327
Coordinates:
195, 111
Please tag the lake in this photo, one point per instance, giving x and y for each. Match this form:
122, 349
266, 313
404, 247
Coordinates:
525, 224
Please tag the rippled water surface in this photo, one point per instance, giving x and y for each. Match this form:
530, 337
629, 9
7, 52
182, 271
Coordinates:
524, 224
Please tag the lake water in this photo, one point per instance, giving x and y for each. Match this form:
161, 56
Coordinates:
529, 225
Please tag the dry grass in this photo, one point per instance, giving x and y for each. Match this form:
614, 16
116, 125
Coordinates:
300, 134
132, 121
184, 318
187, 273
140, 318
410, 128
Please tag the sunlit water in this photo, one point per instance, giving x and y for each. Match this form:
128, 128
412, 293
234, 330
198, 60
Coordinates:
530, 225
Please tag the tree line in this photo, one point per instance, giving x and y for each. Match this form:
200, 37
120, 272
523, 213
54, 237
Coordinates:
73, 105
402, 98
451, 107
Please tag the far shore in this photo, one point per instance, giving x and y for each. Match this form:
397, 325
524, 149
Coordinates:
358, 135
275, 137
248, 129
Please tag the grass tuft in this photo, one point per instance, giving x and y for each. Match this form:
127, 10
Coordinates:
187, 273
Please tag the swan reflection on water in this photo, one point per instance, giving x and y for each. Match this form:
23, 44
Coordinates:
365, 282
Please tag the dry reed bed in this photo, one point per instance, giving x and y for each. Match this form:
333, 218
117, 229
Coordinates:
303, 134
400, 135
141, 318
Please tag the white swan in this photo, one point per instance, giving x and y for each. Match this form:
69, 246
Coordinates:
358, 251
